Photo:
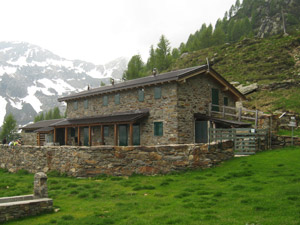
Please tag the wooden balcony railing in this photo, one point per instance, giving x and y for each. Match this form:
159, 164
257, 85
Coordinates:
234, 112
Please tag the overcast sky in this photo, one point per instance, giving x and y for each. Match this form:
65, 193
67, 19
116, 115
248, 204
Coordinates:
101, 30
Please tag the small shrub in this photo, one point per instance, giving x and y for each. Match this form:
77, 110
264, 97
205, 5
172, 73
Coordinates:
83, 195
67, 217
74, 192
203, 193
145, 187
72, 185
218, 194
164, 183
116, 178
182, 195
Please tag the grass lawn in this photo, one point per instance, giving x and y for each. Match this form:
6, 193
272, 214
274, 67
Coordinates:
260, 189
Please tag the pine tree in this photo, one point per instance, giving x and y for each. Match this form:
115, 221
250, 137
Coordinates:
151, 63
163, 56
49, 115
56, 113
9, 128
135, 68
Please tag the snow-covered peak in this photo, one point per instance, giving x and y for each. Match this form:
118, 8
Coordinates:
32, 78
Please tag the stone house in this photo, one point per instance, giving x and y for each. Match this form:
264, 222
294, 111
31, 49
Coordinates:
168, 108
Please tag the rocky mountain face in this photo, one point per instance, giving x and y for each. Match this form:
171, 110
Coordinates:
32, 78
270, 17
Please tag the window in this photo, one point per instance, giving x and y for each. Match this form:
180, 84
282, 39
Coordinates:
226, 101
141, 95
215, 99
117, 99
86, 104
105, 100
157, 92
75, 105
106, 131
158, 128
72, 131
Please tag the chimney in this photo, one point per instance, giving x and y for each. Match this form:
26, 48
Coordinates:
112, 81
88, 88
154, 72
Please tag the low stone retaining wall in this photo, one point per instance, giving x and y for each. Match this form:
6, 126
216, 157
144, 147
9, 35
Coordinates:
284, 141
16, 207
27, 205
111, 160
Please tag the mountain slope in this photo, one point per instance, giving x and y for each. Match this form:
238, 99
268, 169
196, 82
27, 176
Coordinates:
32, 78
273, 63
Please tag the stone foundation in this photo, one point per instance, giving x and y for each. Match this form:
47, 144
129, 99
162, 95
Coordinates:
111, 160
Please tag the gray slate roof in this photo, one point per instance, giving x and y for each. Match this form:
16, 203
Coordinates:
41, 124
120, 117
140, 82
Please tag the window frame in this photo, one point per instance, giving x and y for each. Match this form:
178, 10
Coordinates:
157, 92
105, 100
141, 95
106, 131
117, 99
226, 101
86, 104
158, 128
75, 105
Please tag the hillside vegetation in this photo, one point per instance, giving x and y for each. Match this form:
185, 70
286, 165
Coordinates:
273, 63
260, 189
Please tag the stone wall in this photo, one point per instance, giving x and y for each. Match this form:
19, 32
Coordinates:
284, 141
29, 138
193, 97
91, 161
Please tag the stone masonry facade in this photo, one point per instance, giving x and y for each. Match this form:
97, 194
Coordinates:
194, 96
176, 107
113, 160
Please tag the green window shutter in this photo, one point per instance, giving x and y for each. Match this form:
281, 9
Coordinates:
136, 134
158, 128
215, 99
75, 105
106, 131
157, 92
226, 101
117, 99
141, 95
86, 104
105, 100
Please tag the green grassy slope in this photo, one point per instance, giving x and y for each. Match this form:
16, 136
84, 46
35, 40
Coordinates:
263, 61
260, 189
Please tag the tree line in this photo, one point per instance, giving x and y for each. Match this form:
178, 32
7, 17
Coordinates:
49, 115
234, 26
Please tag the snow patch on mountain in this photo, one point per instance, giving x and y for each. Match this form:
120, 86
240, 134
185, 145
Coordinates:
32, 99
16, 103
7, 69
59, 85
3, 103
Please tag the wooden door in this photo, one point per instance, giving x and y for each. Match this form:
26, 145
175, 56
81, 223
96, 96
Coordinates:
215, 99
201, 134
